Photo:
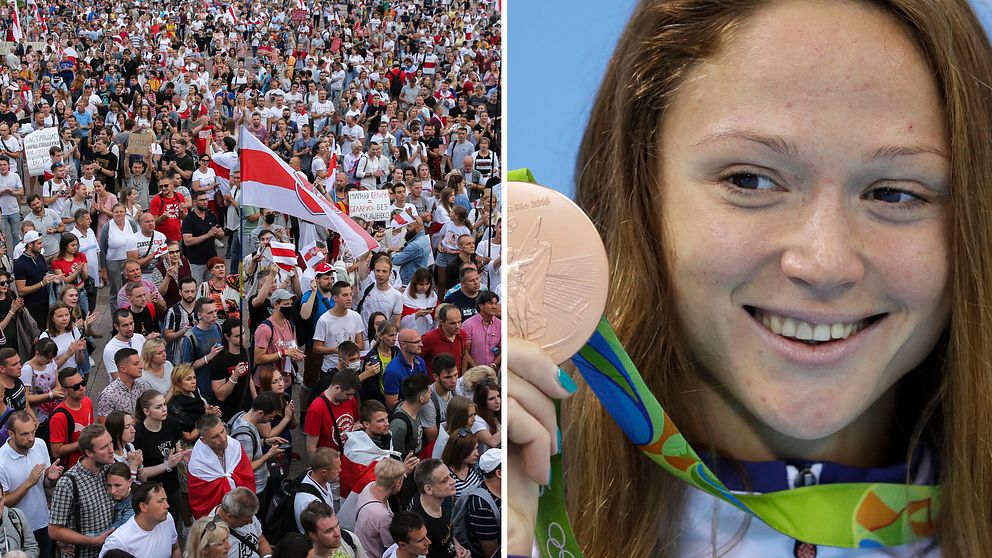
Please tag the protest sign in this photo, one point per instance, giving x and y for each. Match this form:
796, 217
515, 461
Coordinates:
371, 205
36, 146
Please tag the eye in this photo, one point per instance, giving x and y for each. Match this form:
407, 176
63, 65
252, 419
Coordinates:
893, 196
750, 181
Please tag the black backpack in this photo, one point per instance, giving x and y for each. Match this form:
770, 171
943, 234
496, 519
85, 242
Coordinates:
45, 429
410, 440
281, 517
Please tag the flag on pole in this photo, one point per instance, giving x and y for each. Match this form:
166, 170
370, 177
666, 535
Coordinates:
223, 163
15, 27
231, 14
310, 255
283, 255
268, 181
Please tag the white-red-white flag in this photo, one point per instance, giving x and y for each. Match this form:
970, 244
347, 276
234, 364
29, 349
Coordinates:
268, 181
310, 255
16, 33
400, 219
223, 163
283, 255
231, 14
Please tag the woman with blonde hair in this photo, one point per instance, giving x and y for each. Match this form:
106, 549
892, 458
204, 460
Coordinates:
208, 539
799, 268
465, 386
156, 368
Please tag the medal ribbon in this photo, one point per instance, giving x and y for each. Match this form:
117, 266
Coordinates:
849, 515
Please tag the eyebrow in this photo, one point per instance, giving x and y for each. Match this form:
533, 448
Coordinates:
788, 149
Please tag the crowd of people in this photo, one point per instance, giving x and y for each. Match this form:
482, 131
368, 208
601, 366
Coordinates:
382, 365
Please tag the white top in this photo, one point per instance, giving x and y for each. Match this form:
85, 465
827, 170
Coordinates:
140, 243
302, 499
90, 245
15, 469
208, 178
114, 345
63, 341
8, 204
391, 552
134, 540
117, 240
332, 330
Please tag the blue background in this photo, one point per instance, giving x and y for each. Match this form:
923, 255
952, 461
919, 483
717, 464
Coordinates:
556, 55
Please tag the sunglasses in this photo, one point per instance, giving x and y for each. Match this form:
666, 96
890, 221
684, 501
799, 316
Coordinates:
4, 283
80, 385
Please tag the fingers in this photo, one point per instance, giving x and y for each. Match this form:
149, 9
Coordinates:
56, 462
536, 404
533, 365
530, 443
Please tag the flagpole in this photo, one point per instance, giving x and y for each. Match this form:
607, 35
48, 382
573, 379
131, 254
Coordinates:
241, 239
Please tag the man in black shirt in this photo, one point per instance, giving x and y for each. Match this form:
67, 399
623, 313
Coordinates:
145, 322
32, 277
108, 164
229, 373
199, 229
464, 297
181, 161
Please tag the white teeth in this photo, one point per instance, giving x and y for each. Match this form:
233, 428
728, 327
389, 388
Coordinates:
804, 331
821, 332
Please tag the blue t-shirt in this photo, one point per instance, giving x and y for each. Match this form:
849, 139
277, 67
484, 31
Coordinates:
398, 370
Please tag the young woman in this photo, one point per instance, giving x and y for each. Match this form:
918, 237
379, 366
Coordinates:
122, 432
156, 368
159, 441
488, 403
459, 415
447, 248
461, 453
129, 199
377, 359
273, 380
9, 306
40, 375
738, 231
73, 265
68, 338
376, 319
103, 205
186, 405
419, 300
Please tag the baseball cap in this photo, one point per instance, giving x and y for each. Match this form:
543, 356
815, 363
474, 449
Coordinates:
281, 294
31, 236
491, 460
323, 267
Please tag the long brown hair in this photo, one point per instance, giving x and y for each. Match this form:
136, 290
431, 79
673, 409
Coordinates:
617, 181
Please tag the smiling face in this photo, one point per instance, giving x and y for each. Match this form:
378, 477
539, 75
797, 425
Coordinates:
805, 197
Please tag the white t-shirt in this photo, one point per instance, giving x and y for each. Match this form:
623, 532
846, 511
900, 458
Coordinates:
8, 204
114, 345
62, 342
15, 469
389, 302
303, 499
208, 178
140, 243
332, 330
134, 540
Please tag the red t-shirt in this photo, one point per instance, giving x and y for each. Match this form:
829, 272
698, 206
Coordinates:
57, 426
202, 138
171, 226
435, 343
319, 421
59, 264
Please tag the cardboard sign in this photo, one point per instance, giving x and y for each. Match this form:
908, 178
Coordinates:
140, 144
298, 15
36, 146
371, 205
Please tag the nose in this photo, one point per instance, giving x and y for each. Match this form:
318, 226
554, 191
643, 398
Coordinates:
823, 250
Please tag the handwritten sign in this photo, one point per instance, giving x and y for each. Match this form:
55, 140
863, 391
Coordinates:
36, 146
140, 144
371, 205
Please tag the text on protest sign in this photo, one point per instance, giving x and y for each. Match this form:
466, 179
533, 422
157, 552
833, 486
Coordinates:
371, 205
36, 146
